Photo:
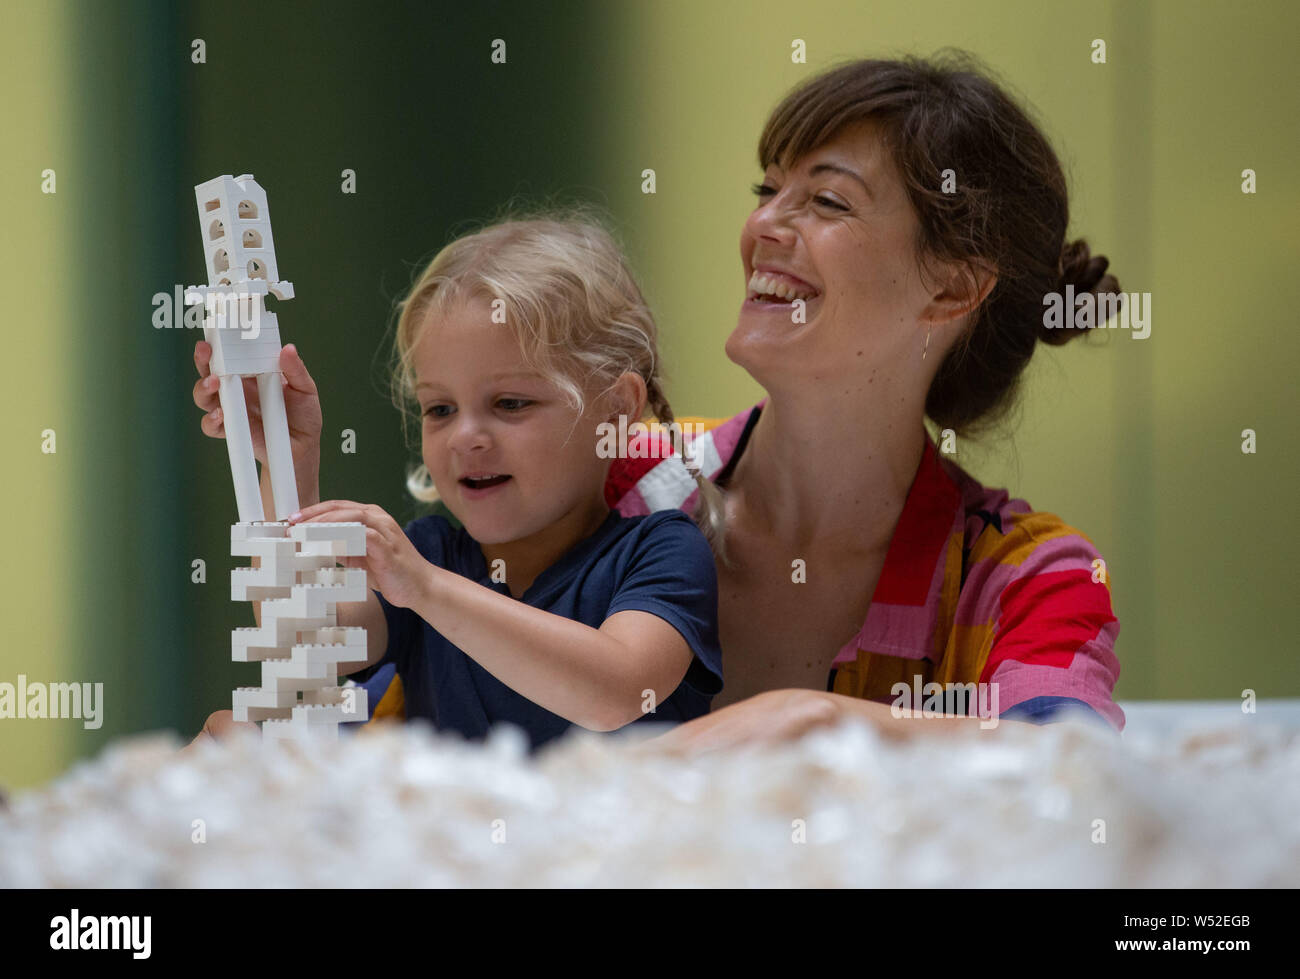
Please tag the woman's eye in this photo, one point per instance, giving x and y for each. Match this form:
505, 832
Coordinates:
513, 404
763, 190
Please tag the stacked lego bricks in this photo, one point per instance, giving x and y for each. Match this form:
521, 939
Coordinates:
299, 643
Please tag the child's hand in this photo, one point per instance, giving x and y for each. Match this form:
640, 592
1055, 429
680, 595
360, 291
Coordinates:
301, 405
220, 725
395, 567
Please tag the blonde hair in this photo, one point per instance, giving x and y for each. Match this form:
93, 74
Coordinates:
575, 309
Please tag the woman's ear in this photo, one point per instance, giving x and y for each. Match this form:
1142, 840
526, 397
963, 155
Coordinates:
963, 287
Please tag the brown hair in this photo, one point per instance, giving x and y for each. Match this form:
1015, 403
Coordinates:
1010, 207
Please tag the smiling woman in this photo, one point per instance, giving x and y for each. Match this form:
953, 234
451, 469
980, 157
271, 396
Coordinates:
910, 220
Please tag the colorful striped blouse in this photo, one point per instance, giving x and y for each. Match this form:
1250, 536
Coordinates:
976, 588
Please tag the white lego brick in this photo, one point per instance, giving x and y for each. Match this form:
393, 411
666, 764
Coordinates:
323, 697
298, 684
257, 584
350, 581
281, 630
262, 697
276, 729
235, 221
326, 655
344, 635
255, 714
250, 288
358, 710
344, 539
314, 602
318, 720
258, 531
277, 631
276, 671
241, 352
288, 730
301, 564
332, 714
310, 562
246, 652
325, 645
337, 645
267, 550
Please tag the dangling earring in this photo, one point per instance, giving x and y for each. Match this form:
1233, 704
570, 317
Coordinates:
927, 343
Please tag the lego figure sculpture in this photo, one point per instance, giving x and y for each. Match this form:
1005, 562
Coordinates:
299, 642
245, 337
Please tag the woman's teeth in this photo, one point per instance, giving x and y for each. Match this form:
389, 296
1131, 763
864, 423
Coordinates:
763, 287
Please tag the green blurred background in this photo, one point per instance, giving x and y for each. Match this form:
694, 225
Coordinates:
1135, 442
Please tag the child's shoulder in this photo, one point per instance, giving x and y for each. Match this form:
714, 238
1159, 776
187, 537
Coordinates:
670, 534
661, 523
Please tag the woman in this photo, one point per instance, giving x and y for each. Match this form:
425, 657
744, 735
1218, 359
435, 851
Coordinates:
920, 217
913, 220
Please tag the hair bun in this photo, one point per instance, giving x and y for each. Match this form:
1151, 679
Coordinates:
1083, 270
1085, 273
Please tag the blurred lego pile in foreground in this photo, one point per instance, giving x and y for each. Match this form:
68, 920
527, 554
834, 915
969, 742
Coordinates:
1064, 805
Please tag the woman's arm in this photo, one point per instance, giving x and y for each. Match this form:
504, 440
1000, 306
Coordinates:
786, 715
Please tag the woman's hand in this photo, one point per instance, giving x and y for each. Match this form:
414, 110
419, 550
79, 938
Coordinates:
766, 718
392, 563
301, 406
787, 715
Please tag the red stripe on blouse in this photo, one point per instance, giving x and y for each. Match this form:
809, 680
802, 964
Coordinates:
1046, 618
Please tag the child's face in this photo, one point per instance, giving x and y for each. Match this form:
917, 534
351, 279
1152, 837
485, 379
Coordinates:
486, 414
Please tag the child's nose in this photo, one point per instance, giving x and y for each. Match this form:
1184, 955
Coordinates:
468, 434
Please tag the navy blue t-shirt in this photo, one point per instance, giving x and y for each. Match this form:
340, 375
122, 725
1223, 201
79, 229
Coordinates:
660, 563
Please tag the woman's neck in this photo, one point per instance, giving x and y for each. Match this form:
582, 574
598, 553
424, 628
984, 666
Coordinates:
820, 469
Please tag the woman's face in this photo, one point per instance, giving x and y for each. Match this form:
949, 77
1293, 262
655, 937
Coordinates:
840, 223
486, 414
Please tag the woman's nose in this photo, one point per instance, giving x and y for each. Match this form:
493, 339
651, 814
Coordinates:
771, 220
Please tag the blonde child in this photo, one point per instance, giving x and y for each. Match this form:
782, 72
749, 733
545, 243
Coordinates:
517, 346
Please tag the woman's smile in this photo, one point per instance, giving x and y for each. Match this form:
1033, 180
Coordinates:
772, 290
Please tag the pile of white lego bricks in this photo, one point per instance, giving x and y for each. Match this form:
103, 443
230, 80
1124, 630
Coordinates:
299, 642
1065, 805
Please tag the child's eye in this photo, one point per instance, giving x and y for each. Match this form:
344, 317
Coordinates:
513, 404
435, 411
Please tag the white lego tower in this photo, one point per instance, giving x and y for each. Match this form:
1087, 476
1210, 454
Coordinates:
299, 642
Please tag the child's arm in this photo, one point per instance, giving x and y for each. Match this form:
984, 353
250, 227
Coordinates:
368, 615
596, 678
